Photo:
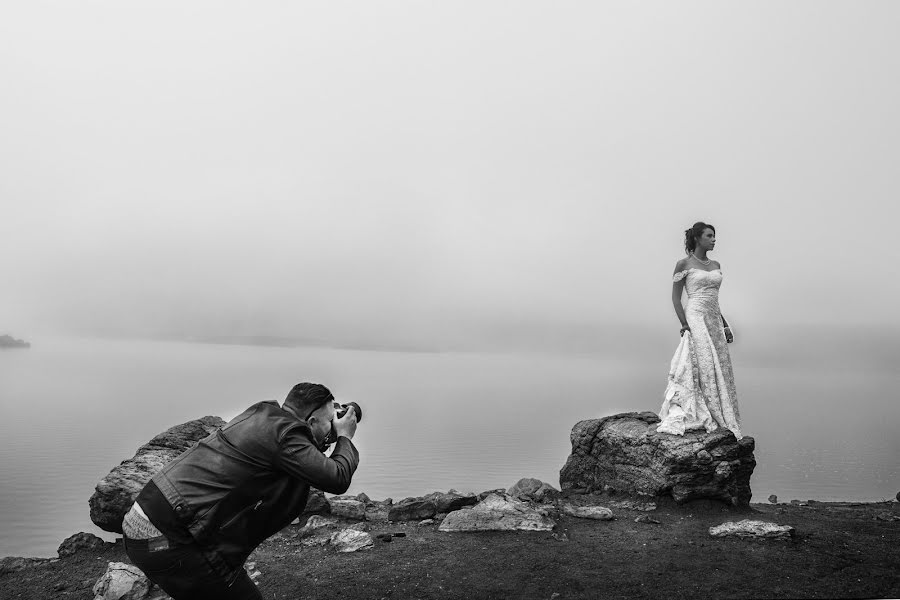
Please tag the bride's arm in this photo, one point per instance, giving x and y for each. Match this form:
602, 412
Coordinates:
677, 289
729, 337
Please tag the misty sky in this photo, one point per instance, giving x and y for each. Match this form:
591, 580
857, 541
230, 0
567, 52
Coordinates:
412, 169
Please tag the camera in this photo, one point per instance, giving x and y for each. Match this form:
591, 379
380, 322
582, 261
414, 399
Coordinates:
339, 411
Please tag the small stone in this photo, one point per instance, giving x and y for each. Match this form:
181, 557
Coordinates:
121, 582
412, 509
752, 529
898, 496
350, 540
426, 522
315, 522
646, 519
384, 537
349, 509
886, 516
362, 497
59, 587
599, 513
633, 505
530, 488
773, 499
399, 534
497, 513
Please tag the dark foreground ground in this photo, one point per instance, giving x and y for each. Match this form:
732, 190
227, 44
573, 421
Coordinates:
839, 551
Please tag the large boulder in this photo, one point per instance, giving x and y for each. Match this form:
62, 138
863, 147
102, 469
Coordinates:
498, 513
625, 453
116, 492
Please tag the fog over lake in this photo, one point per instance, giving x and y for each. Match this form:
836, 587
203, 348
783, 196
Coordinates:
463, 215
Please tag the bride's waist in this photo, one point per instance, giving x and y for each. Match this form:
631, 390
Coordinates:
702, 303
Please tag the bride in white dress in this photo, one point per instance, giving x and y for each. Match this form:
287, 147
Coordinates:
701, 392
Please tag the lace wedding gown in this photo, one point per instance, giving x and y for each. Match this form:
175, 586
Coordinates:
701, 392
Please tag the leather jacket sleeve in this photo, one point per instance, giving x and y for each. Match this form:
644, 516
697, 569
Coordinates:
299, 457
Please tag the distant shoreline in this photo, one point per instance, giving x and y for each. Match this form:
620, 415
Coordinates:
7, 341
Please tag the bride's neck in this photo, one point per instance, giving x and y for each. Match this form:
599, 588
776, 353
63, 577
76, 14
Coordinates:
699, 254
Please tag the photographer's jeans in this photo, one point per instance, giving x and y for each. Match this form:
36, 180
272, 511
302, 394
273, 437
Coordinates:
185, 574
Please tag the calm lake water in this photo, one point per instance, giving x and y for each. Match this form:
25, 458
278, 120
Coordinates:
73, 409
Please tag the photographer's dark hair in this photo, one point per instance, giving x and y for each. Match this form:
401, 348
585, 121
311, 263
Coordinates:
691, 235
305, 397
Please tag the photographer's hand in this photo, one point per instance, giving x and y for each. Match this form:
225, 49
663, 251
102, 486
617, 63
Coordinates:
346, 425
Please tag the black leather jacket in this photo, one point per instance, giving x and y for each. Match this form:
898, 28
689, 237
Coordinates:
243, 483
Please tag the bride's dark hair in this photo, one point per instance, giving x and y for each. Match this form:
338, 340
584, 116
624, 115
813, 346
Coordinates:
691, 235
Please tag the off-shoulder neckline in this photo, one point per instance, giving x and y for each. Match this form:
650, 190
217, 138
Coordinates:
699, 269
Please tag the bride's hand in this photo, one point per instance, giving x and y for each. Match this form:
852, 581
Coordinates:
729, 337
683, 329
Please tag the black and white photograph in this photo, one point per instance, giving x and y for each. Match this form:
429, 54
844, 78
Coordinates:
449, 300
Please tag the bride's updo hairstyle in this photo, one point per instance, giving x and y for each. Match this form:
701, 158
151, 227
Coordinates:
691, 235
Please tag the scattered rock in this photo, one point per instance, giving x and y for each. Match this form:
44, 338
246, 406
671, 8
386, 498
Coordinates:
116, 492
317, 503
752, 529
426, 522
625, 453
798, 503
384, 537
886, 516
773, 499
252, 571
351, 540
125, 582
412, 509
317, 531
897, 496
486, 493
362, 497
79, 541
497, 513
633, 505
11, 564
599, 513
361, 526
646, 519
533, 489
562, 537
452, 500
347, 508
316, 522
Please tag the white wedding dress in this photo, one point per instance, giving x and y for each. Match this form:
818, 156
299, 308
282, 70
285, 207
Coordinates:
701, 392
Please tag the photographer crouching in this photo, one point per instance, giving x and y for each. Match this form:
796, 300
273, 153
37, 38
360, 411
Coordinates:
197, 520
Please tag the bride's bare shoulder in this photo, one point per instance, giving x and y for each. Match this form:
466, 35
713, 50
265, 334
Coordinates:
681, 265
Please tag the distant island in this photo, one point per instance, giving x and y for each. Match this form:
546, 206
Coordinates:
7, 341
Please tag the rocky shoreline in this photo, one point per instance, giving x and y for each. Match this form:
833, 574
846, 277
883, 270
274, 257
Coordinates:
630, 549
637, 514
